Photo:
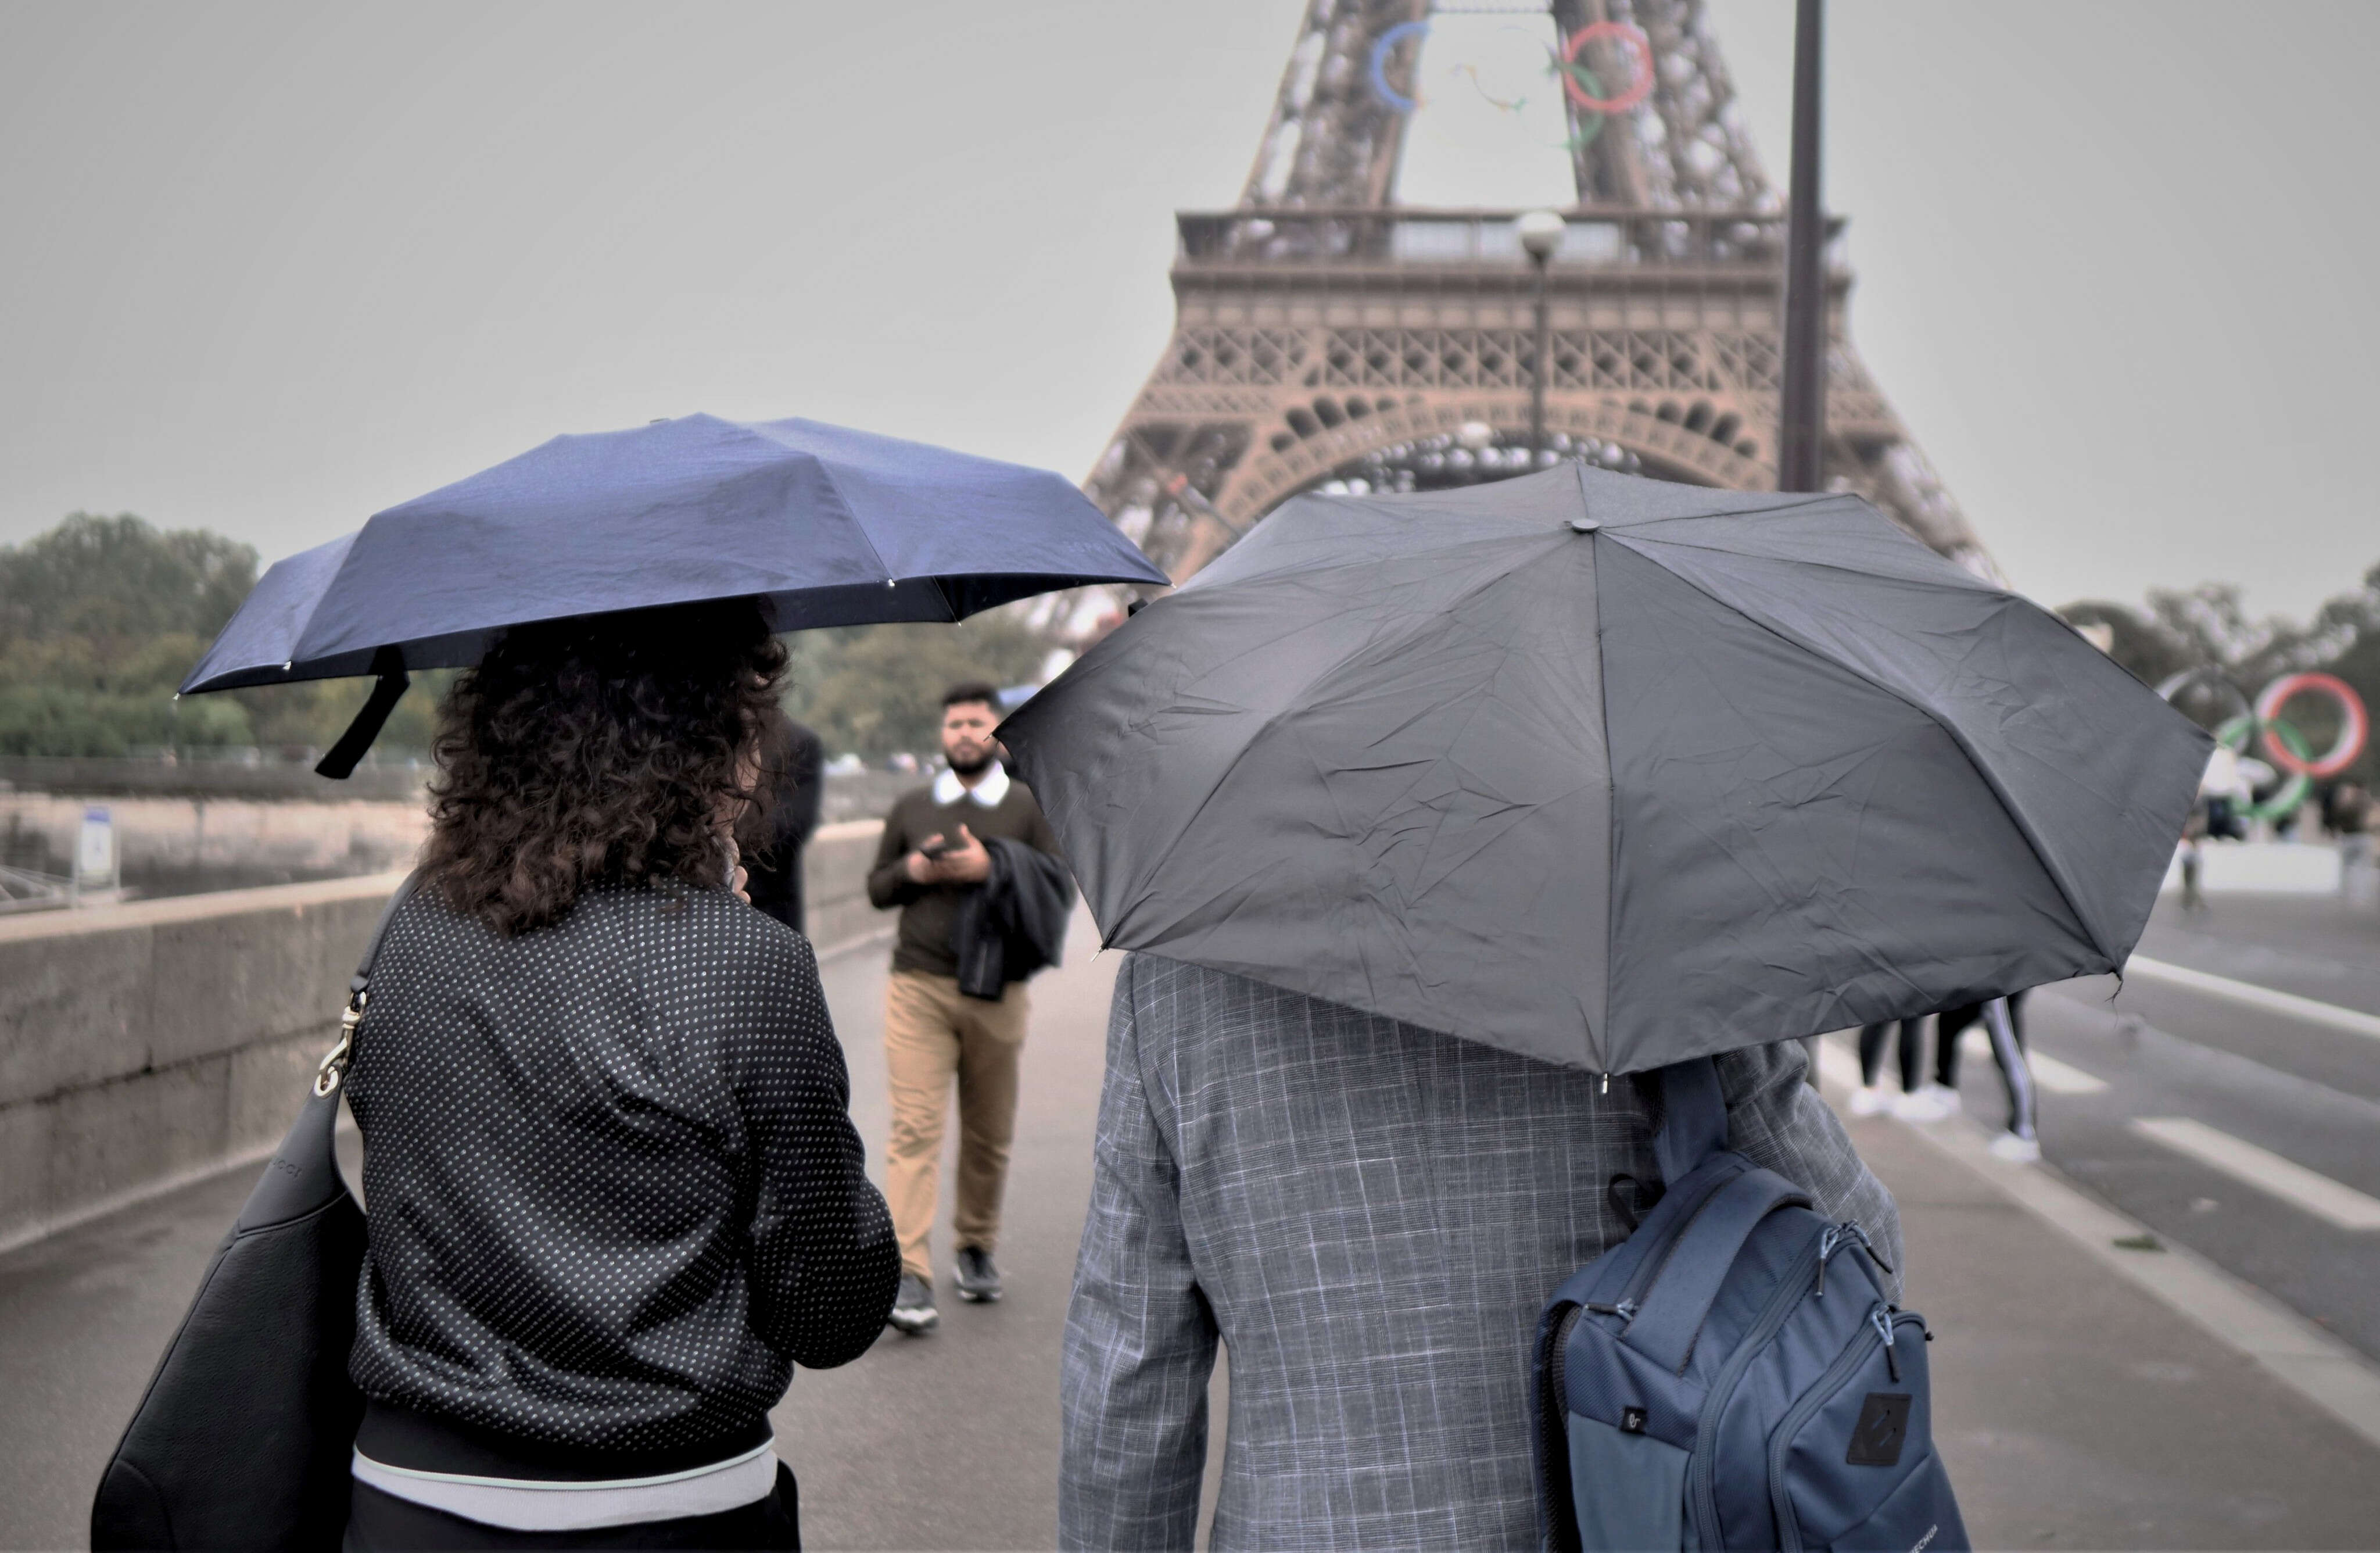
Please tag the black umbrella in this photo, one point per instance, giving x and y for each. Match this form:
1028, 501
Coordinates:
834, 526
1610, 771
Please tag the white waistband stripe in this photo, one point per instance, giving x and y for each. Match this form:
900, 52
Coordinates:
530, 1505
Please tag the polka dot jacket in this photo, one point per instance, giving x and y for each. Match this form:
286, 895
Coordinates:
613, 1190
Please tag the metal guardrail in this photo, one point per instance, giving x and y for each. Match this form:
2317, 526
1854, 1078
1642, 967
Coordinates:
1604, 238
23, 889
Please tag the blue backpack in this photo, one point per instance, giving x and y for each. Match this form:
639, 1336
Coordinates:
1734, 1374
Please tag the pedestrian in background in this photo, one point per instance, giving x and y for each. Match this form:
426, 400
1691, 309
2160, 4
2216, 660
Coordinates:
965, 859
615, 1192
776, 830
1918, 1101
2003, 1023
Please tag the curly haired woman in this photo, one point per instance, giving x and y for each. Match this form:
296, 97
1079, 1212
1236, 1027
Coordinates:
614, 1192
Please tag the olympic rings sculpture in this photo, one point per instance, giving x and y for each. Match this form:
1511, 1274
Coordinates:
2234, 736
2283, 745
2353, 724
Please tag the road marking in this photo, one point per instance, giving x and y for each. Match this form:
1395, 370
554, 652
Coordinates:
2061, 1078
2267, 1171
2353, 1021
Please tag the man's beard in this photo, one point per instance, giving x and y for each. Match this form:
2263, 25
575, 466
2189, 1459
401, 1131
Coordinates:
974, 765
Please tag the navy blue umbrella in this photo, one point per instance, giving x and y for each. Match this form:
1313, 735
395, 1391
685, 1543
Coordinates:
833, 527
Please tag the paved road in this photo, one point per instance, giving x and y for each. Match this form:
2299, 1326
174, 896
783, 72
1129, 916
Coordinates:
2301, 1092
2075, 1410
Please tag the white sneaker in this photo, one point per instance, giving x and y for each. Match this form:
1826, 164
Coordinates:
1943, 1099
2016, 1150
1919, 1105
1869, 1100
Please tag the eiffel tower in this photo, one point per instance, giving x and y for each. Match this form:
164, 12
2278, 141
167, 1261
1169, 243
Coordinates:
1326, 336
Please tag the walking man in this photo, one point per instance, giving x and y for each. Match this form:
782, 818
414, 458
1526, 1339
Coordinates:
1369, 1216
974, 868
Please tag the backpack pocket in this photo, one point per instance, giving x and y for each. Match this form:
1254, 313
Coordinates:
1854, 1458
1628, 1490
1920, 1516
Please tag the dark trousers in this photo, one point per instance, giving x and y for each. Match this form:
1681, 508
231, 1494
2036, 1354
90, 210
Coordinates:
377, 1521
1912, 1051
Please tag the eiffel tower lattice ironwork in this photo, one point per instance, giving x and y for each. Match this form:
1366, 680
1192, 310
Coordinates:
1327, 336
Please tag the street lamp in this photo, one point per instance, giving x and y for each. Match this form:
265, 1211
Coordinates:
1541, 233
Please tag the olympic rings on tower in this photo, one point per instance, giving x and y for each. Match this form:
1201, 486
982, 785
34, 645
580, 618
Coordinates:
1640, 70
1395, 101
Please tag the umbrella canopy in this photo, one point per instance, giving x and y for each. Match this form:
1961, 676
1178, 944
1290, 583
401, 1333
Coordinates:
1609, 770
834, 526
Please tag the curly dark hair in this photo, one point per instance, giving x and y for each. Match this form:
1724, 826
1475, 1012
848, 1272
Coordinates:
600, 749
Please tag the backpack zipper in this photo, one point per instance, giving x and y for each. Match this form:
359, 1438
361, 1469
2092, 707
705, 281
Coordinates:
1873, 1334
1702, 1500
1650, 1268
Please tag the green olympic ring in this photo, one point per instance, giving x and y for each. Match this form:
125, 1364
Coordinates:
2235, 736
1590, 123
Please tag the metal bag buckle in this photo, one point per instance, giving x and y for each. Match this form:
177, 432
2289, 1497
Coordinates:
334, 1065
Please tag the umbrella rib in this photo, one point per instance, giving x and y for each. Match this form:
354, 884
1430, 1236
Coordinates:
2016, 816
826, 472
1969, 579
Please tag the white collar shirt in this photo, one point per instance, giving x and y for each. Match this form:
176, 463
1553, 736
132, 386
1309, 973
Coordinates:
988, 792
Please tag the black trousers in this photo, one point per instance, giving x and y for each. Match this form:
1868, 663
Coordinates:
1912, 1051
377, 1521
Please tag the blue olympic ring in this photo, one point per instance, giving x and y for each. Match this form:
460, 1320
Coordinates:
1395, 101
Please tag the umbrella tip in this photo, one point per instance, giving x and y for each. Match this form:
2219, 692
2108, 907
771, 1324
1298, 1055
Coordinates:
1584, 525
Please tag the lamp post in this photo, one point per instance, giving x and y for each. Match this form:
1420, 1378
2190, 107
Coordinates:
1541, 233
1801, 433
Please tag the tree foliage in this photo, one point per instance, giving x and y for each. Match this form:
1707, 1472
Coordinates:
2209, 627
100, 617
875, 689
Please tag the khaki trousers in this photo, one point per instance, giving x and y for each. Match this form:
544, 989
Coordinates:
933, 1035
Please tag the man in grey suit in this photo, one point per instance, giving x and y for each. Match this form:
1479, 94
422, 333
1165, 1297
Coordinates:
1370, 1217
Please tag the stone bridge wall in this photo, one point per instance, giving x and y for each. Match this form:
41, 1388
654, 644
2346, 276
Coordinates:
149, 1044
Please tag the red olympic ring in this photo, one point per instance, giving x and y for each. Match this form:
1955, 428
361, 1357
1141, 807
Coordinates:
1640, 70
2352, 723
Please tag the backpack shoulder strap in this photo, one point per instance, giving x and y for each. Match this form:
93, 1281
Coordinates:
1694, 1118
1682, 1294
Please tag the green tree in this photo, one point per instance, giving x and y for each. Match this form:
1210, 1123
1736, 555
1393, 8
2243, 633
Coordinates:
100, 617
875, 689
2208, 627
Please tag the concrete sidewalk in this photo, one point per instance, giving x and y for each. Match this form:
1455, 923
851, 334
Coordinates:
2076, 1410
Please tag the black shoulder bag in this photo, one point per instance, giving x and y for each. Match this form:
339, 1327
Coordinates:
245, 1436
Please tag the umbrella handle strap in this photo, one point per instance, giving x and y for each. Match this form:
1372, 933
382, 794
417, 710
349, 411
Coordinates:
340, 762
1694, 1118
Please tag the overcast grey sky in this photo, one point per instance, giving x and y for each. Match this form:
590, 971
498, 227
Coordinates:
271, 267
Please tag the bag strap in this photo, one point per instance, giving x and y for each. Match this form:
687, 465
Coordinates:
1688, 1284
1694, 1118
334, 1065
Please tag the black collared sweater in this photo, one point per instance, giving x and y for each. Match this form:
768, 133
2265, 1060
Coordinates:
613, 1188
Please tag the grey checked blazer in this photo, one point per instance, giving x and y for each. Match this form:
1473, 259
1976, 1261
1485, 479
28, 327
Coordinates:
1369, 1217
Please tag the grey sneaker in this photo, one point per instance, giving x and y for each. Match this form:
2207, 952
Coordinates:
913, 1309
978, 1280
